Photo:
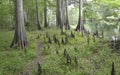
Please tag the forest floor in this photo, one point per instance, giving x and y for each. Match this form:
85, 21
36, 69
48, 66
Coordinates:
33, 64
94, 58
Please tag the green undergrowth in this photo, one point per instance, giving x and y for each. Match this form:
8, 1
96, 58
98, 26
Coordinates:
13, 61
93, 59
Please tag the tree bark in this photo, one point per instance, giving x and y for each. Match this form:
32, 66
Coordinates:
62, 17
45, 14
67, 16
58, 13
38, 16
20, 37
80, 25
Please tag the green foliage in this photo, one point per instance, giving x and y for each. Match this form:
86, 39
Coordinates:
73, 17
6, 14
99, 10
113, 3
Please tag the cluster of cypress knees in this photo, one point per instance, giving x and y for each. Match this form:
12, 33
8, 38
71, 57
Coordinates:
66, 53
56, 40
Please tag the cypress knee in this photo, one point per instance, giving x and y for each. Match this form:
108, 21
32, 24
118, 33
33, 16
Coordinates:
27, 73
66, 40
55, 38
72, 35
62, 41
68, 59
88, 39
113, 72
38, 37
65, 52
49, 40
47, 35
76, 60
39, 69
94, 39
58, 42
75, 48
57, 52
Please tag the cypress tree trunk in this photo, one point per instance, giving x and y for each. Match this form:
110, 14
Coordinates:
38, 16
80, 26
45, 14
58, 13
62, 16
20, 37
67, 16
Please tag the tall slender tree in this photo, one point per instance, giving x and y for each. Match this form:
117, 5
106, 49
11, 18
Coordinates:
80, 25
67, 16
38, 16
58, 13
20, 37
45, 14
62, 16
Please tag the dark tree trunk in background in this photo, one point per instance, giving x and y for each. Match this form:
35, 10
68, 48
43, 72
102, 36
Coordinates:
80, 25
38, 16
20, 37
45, 14
58, 13
67, 16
